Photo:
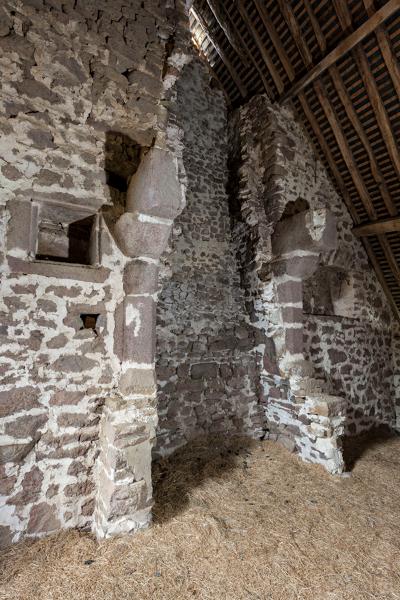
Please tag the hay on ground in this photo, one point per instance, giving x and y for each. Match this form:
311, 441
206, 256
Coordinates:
235, 520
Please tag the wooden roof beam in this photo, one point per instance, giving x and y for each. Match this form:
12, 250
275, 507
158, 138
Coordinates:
344, 148
295, 30
275, 39
220, 52
264, 52
255, 64
345, 194
316, 26
354, 119
218, 10
356, 123
345, 46
389, 57
377, 227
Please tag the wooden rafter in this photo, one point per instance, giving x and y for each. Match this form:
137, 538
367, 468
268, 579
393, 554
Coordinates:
389, 57
345, 46
254, 62
264, 52
219, 12
220, 51
379, 108
352, 126
316, 26
344, 148
296, 32
273, 34
377, 227
356, 123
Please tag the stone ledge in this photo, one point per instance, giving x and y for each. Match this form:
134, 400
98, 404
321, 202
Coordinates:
59, 270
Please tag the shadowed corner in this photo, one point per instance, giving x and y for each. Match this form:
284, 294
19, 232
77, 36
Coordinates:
191, 466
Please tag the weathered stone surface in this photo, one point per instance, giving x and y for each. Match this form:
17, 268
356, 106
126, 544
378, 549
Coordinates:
26, 426
74, 364
18, 399
6, 535
154, 189
43, 519
15, 452
137, 238
140, 278
137, 381
139, 333
310, 230
64, 397
207, 370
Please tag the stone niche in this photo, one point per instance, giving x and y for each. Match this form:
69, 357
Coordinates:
329, 292
66, 235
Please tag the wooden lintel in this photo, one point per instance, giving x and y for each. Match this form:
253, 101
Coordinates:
345, 46
377, 227
220, 51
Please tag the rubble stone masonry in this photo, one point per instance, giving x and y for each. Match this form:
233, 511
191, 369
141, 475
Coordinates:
167, 270
84, 95
330, 352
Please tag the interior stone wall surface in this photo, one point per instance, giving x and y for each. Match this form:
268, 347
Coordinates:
347, 353
206, 366
73, 73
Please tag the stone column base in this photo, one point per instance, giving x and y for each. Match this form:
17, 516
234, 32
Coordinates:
312, 426
123, 478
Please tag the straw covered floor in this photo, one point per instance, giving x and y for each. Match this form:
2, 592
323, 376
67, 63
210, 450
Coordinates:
236, 520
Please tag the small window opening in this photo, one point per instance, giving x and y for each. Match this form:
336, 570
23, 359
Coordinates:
69, 242
89, 321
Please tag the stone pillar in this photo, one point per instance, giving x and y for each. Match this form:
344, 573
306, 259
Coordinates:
127, 430
303, 416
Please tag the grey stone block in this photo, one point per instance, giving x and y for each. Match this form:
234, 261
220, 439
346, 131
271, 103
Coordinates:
140, 278
154, 188
140, 238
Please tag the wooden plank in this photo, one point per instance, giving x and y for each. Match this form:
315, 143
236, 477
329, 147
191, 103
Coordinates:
344, 149
295, 30
218, 10
379, 108
377, 227
220, 52
275, 39
343, 14
345, 46
264, 52
315, 25
356, 123
389, 57
252, 58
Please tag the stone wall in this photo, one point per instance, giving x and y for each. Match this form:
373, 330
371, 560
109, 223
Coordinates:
85, 91
327, 356
207, 371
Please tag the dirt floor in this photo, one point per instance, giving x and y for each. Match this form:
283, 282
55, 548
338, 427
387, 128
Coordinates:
239, 520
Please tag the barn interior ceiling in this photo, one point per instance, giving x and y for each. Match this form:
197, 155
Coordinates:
336, 62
